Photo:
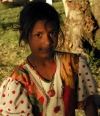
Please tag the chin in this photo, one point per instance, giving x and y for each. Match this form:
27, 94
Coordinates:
46, 55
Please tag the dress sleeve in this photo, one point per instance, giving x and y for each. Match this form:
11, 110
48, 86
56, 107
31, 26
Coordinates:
86, 83
14, 99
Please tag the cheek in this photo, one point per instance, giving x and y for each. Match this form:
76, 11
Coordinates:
32, 44
32, 41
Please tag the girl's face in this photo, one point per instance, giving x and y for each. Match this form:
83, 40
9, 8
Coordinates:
43, 39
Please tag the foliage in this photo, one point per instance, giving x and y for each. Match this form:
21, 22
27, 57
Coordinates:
10, 52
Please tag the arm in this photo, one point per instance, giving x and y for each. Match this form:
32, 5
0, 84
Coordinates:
14, 99
87, 88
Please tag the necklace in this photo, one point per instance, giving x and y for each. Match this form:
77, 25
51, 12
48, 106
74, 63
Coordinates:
51, 91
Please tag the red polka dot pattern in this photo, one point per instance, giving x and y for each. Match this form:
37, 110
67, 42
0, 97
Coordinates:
13, 101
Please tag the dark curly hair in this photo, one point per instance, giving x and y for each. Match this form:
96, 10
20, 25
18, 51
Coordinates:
33, 12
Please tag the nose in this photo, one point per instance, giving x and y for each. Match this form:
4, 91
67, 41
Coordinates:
47, 39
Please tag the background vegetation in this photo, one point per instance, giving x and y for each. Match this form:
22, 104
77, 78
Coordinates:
10, 52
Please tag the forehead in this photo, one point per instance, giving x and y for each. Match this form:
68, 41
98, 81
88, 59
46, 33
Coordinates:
43, 24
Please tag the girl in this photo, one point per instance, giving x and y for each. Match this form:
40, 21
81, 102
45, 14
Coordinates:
49, 82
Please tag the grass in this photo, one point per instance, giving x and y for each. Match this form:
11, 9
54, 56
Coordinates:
11, 54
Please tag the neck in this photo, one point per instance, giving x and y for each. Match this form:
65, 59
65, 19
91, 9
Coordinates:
39, 60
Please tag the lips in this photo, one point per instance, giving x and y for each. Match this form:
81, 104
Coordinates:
46, 49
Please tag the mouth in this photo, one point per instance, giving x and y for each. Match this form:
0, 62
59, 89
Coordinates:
46, 50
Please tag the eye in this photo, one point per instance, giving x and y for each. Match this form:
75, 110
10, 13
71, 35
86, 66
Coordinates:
38, 35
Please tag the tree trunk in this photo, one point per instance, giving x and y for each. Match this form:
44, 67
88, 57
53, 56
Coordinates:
79, 25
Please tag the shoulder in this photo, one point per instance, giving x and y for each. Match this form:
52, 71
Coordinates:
74, 58
67, 54
69, 59
20, 73
19, 76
